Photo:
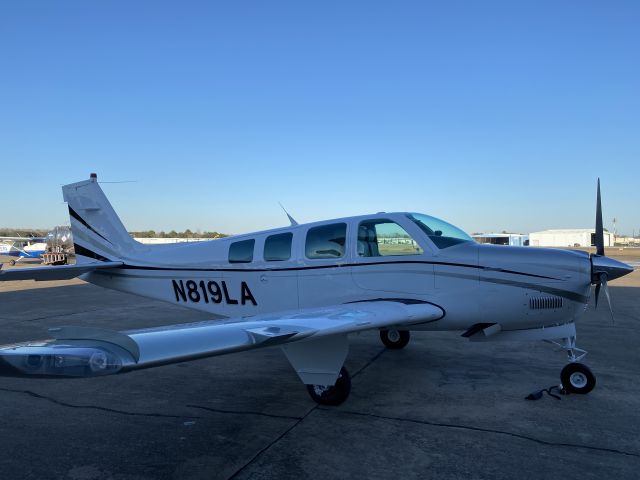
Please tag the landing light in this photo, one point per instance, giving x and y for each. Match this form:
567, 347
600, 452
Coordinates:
58, 361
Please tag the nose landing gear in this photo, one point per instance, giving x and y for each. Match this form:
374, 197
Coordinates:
576, 377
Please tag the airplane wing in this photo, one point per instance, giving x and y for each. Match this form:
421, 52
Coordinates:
62, 272
314, 340
23, 239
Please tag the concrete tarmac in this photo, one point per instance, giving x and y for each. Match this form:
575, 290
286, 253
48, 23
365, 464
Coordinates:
442, 408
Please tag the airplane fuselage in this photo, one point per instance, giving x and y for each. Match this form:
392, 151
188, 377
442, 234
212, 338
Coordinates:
517, 287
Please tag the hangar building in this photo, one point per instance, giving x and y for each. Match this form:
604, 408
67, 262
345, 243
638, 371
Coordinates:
516, 239
576, 237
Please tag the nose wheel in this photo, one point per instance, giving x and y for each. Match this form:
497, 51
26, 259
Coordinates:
577, 378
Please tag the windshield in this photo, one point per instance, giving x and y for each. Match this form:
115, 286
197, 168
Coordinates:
441, 233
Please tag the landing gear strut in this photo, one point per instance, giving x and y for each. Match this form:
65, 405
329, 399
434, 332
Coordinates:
395, 339
332, 395
576, 377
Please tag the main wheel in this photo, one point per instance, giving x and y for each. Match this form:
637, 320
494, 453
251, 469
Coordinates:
395, 339
332, 395
577, 378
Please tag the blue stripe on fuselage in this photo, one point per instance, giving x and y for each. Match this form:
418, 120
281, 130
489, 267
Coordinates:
16, 253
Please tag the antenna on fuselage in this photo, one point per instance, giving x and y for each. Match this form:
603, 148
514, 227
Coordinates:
291, 219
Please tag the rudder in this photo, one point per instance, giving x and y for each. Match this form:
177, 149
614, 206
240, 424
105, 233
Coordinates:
98, 233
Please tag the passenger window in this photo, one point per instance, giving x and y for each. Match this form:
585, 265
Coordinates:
326, 241
382, 238
241, 252
278, 247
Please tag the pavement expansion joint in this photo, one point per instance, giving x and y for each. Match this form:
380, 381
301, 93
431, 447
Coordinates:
369, 363
299, 420
271, 444
484, 430
95, 407
633, 318
57, 315
244, 412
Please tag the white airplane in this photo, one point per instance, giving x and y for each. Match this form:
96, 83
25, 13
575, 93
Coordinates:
305, 288
22, 247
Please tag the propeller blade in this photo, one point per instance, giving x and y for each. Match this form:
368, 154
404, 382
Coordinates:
605, 287
599, 229
597, 293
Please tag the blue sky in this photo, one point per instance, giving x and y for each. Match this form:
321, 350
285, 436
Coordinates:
492, 115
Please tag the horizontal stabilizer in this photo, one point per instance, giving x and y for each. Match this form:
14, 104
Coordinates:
62, 272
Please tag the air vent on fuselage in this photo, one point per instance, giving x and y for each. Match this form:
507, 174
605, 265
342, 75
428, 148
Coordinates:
539, 303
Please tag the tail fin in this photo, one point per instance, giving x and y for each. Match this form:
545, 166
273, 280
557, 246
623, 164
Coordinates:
98, 233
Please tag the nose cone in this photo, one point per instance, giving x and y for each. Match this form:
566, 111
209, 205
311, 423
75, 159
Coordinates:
612, 268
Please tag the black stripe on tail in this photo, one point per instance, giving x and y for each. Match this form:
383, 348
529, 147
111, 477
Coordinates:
75, 215
85, 252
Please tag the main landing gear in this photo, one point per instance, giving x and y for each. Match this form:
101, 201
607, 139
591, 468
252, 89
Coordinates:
332, 395
576, 377
338, 393
395, 339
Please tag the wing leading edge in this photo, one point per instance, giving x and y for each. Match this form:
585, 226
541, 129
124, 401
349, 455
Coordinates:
314, 340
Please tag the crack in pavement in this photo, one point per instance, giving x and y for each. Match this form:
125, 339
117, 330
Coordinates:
63, 314
244, 412
483, 430
368, 364
96, 407
298, 422
267, 447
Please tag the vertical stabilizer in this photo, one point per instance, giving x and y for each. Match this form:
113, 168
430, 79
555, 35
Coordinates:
98, 233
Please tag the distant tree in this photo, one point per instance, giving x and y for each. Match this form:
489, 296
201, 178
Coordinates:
151, 234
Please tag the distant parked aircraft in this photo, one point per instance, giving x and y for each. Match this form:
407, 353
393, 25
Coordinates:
22, 247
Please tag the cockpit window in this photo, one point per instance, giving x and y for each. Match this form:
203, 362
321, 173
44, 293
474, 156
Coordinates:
441, 233
382, 238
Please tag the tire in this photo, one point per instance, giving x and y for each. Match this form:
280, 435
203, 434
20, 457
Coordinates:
577, 378
332, 395
395, 339
12, 262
